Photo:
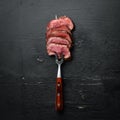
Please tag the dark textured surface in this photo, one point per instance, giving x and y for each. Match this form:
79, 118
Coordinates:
27, 73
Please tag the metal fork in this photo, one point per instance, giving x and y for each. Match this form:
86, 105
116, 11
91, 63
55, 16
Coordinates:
59, 93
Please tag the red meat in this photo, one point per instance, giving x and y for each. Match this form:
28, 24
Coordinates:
58, 37
63, 20
62, 34
59, 40
61, 28
52, 49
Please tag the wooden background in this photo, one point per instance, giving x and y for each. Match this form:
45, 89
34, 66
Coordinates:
27, 73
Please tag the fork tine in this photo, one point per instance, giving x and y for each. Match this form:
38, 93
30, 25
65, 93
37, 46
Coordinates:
56, 17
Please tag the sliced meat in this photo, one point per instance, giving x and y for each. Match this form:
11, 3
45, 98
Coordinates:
62, 28
59, 40
62, 34
67, 21
60, 22
54, 24
59, 37
53, 49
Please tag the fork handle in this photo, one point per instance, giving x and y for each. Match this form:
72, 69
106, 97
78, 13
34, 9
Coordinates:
59, 95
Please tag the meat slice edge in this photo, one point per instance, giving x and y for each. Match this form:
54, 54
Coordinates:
59, 40
53, 49
63, 20
61, 28
62, 34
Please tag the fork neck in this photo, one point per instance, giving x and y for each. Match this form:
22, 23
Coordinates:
59, 71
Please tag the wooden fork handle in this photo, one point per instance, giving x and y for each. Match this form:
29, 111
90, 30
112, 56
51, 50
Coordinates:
59, 95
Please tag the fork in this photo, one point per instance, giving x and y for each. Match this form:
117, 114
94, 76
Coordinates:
59, 91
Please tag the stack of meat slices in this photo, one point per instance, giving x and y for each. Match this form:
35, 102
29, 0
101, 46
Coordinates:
58, 37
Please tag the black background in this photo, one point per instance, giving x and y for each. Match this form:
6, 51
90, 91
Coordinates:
27, 73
